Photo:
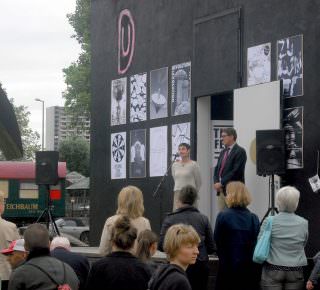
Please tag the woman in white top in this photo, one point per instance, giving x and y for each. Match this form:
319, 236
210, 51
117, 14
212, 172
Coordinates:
130, 204
185, 172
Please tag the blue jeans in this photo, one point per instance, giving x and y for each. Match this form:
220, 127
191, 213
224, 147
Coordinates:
282, 280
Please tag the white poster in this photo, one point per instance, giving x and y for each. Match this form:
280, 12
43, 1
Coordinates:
118, 101
118, 155
181, 89
217, 145
180, 133
138, 98
159, 93
259, 64
158, 151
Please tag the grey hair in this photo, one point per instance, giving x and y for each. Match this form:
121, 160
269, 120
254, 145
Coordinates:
287, 199
61, 242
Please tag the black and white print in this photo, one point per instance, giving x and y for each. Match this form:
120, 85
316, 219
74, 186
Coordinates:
293, 126
159, 93
118, 155
180, 133
138, 153
315, 183
181, 89
118, 101
290, 65
259, 64
138, 97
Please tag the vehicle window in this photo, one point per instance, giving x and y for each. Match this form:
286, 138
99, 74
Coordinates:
28, 190
70, 223
4, 187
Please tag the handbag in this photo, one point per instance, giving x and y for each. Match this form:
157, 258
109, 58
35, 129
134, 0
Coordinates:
262, 248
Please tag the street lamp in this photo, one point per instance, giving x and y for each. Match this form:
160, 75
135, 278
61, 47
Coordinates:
42, 101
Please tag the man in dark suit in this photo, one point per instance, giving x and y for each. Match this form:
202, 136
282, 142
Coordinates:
230, 166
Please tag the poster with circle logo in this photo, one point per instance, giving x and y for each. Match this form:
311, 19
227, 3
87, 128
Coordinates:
118, 155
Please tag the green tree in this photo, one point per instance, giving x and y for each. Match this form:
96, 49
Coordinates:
30, 139
77, 76
75, 152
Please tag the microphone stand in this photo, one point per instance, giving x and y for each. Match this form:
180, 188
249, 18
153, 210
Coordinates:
164, 176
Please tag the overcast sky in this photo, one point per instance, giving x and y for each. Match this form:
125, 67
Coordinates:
36, 45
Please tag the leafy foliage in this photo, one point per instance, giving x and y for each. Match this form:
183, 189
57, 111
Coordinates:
30, 139
77, 76
75, 152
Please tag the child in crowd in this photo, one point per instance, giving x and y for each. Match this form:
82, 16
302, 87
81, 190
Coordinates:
147, 247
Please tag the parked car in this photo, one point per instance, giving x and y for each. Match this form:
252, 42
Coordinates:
74, 242
76, 227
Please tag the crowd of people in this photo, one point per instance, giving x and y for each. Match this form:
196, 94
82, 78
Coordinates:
127, 242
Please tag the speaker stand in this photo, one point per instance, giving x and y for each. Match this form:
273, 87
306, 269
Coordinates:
272, 209
48, 214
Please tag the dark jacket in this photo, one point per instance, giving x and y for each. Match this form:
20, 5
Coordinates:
28, 276
169, 277
191, 216
315, 274
118, 271
235, 234
234, 166
77, 262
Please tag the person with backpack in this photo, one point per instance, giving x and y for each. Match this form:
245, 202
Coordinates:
41, 271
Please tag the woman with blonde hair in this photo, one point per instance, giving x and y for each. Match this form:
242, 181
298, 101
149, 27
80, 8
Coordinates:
181, 246
130, 204
235, 234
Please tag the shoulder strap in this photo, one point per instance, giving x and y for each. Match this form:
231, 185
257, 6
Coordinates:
50, 277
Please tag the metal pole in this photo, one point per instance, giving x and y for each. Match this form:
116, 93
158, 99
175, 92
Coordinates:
42, 144
42, 141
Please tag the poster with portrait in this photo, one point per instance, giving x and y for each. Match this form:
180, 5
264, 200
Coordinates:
159, 93
217, 145
158, 151
138, 98
180, 133
293, 127
138, 153
290, 65
259, 64
181, 89
118, 101
118, 155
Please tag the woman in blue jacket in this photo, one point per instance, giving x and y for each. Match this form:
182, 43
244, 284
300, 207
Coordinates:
235, 234
289, 235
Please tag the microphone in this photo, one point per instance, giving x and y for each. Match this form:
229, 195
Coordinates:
176, 155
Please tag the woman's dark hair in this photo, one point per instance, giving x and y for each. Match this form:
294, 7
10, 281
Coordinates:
188, 195
145, 239
123, 233
184, 145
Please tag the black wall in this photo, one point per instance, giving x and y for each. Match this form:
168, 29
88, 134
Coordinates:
214, 35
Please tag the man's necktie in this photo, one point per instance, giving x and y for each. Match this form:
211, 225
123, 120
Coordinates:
224, 160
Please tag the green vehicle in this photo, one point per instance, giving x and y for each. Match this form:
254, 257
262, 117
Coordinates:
25, 200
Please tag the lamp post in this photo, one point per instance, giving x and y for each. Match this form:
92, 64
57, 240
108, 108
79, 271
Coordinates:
42, 101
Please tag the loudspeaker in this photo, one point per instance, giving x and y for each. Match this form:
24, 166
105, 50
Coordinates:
270, 152
47, 167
